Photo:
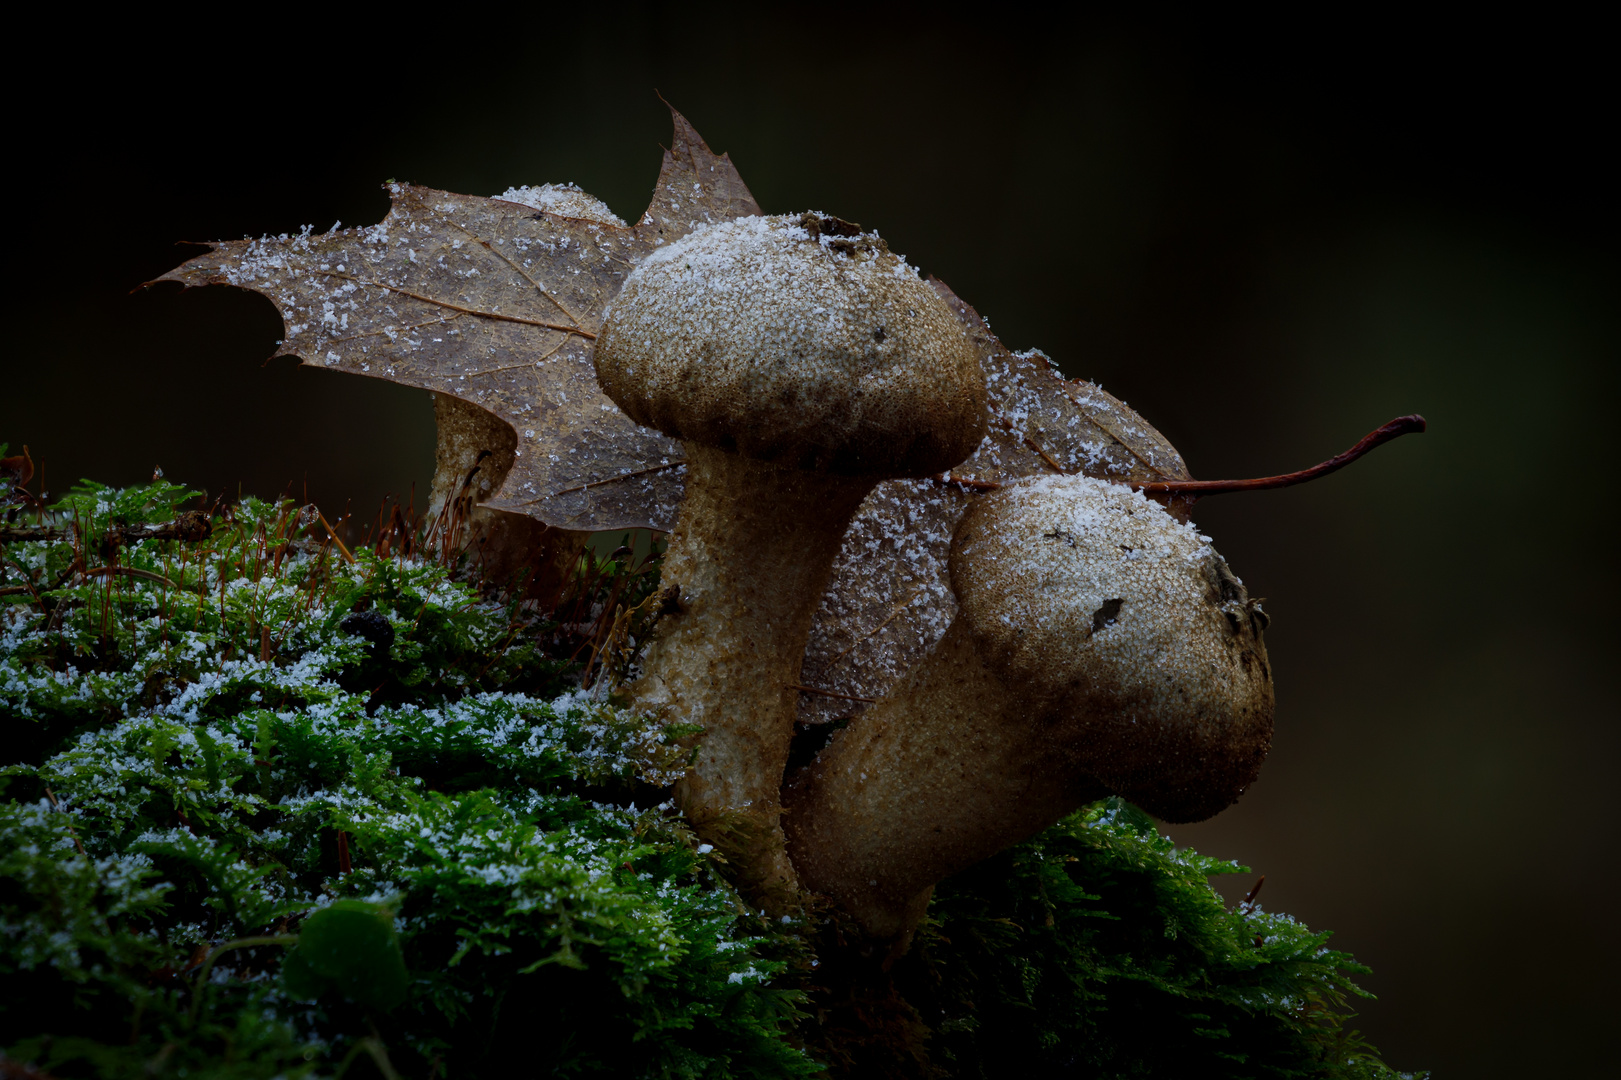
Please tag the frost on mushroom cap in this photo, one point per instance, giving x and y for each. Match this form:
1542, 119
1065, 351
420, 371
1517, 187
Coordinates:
1095, 603
799, 341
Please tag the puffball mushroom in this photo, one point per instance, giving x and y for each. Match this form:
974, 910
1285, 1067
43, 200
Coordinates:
1100, 646
800, 362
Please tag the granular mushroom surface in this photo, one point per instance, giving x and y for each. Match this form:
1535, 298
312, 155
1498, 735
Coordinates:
795, 340
1040, 577
1088, 595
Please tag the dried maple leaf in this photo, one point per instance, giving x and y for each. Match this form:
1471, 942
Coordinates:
495, 302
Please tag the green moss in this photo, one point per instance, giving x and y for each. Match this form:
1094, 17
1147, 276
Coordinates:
1099, 949
225, 752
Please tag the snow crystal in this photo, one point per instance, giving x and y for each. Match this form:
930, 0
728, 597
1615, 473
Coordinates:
565, 200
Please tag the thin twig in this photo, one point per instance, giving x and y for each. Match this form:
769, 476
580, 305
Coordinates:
330, 531
130, 571
379, 1056
10, 533
27, 583
191, 525
1248, 904
51, 795
240, 943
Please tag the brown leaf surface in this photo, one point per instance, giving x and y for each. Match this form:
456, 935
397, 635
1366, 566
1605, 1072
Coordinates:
890, 598
497, 304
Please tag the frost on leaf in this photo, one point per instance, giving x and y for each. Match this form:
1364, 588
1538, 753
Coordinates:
496, 302
890, 597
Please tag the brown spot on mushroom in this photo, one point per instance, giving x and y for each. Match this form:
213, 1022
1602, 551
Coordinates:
1059, 534
1106, 614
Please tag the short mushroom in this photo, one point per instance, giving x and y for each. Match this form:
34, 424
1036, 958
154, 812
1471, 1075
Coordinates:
800, 362
1100, 646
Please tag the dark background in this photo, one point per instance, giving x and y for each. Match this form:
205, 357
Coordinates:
1268, 237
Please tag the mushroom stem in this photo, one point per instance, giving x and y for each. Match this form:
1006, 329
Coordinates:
932, 779
751, 552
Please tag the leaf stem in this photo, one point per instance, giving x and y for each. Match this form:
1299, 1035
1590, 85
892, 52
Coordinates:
1402, 425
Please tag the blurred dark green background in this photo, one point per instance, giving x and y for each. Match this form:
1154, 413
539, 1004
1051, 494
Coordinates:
1267, 237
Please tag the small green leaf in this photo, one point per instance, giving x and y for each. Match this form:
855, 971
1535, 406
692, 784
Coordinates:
211, 756
349, 949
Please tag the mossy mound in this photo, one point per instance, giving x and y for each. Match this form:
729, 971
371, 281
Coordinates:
276, 808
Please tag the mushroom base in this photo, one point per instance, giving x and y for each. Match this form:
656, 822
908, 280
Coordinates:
751, 552
944, 772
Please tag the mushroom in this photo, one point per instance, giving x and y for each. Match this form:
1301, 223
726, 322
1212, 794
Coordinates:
1100, 646
800, 362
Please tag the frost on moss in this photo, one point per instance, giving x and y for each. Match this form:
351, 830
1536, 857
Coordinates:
209, 742
207, 755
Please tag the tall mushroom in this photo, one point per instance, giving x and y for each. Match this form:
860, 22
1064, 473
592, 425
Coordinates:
800, 362
1100, 646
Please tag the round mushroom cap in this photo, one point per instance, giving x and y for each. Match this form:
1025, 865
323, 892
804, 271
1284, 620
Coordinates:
1128, 635
797, 340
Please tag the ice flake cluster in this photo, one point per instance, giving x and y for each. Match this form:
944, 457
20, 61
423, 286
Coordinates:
565, 200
